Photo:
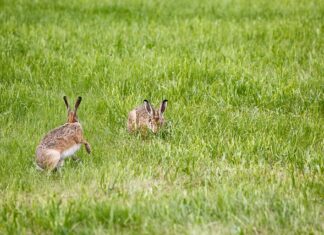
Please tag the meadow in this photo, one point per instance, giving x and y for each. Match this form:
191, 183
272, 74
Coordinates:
243, 148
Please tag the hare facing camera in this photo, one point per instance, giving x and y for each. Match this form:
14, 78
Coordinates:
61, 142
146, 117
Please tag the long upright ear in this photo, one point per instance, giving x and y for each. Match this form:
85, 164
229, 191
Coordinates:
148, 107
66, 102
77, 103
163, 106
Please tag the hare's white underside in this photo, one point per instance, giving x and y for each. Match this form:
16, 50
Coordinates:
70, 151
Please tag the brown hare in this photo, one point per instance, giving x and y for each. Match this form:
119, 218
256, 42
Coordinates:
61, 142
146, 117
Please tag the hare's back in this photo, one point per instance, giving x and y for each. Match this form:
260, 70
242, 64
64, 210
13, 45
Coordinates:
62, 134
141, 112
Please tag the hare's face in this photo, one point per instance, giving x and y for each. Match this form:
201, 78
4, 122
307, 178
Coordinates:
156, 119
156, 122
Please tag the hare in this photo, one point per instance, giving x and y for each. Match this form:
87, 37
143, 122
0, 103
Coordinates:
146, 117
61, 142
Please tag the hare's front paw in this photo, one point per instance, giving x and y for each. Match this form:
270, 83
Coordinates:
88, 148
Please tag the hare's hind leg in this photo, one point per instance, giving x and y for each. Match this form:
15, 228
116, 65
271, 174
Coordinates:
131, 122
51, 159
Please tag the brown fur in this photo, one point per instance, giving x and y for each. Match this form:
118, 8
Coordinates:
49, 151
146, 117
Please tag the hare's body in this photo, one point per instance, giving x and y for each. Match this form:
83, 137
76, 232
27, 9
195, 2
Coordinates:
146, 117
60, 144
138, 118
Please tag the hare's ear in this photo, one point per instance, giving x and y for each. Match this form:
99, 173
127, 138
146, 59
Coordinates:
163, 106
66, 102
77, 103
148, 107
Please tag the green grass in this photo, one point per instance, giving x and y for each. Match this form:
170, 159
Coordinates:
243, 150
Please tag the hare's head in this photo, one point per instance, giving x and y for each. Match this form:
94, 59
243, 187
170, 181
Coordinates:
72, 114
156, 119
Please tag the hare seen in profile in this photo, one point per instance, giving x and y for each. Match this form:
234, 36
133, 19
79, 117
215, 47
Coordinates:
61, 142
146, 117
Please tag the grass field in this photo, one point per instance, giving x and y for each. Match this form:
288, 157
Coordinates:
242, 152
